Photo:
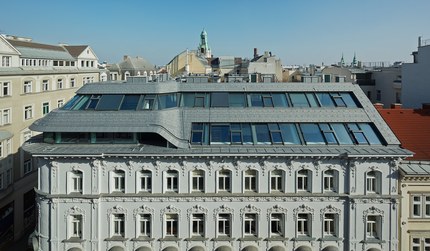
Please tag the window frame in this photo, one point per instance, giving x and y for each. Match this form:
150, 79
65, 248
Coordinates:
144, 225
171, 219
75, 226
250, 180
28, 87
305, 180
118, 225
198, 225
303, 224
198, 181
118, 181
145, 181
279, 218
226, 220
28, 112
250, 225
6, 116
6, 89
277, 175
171, 181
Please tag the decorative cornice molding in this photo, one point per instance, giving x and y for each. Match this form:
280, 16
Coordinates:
303, 209
373, 211
196, 209
74, 211
329, 210
116, 210
223, 209
170, 209
142, 210
276, 209
249, 209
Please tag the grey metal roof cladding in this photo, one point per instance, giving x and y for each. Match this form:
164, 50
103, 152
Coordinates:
5, 135
415, 168
27, 52
174, 124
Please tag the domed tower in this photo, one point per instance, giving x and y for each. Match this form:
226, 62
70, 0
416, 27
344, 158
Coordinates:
204, 47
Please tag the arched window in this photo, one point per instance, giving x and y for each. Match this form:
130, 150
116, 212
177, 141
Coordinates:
373, 182
330, 181
304, 182
224, 181
171, 181
118, 181
250, 181
198, 181
145, 181
277, 181
75, 182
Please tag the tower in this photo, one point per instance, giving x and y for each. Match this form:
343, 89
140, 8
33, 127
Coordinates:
204, 47
342, 61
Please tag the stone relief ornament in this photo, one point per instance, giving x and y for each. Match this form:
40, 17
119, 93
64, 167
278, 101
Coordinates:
73, 211
303, 209
170, 209
329, 210
196, 209
373, 211
275, 209
249, 209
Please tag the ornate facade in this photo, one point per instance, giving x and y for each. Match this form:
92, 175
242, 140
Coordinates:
207, 166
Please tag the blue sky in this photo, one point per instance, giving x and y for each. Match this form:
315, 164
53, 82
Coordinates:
298, 32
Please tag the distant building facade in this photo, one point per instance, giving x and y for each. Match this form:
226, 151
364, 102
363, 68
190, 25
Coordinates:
35, 78
415, 77
129, 67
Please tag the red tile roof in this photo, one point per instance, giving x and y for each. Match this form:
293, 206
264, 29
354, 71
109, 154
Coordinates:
412, 128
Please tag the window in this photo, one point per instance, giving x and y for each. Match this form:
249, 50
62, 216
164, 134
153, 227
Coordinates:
59, 83
363, 133
276, 181
224, 221
250, 183
148, 102
118, 178
250, 225
8, 177
197, 133
45, 108
45, 85
420, 244
241, 133
75, 230
146, 181
72, 82
312, 134
373, 227
330, 181
144, 225
219, 99
5, 61
172, 181
330, 225
76, 182
220, 134
378, 95
420, 206
60, 103
27, 86
5, 89
171, 225
224, 177
276, 225
118, 225
28, 167
28, 112
5, 117
303, 181
198, 225
299, 100
198, 181
303, 224
373, 180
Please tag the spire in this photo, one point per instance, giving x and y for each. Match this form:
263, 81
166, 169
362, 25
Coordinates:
342, 61
354, 61
203, 46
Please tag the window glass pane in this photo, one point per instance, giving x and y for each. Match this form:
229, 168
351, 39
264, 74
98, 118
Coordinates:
370, 133
359, 136
148, 102
339, 101
325, 99
348, 99
262, 132
299, 100
167, 101
93, 102
312, 100
279, 100
219, 99
342, 134
188, 99
71, 102
237, 100
199, 101
289, 134
247, 134
220, 134
256, 100
267, 101
312, 134
109, 102
276, 137
82, 103
130, 102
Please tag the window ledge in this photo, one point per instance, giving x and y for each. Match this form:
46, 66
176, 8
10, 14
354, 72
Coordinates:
249, 238
143, 238
170, 238
116, 238
223, 238
74, 240
277, 238
373, 240
196, 238
330, 238
304, 238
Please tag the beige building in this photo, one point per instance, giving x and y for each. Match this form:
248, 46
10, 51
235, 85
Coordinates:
35, 78
188, 62
415, 205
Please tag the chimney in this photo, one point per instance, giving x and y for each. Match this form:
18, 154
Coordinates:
378, 106
419, 41
396, 106
125, 57
255, 53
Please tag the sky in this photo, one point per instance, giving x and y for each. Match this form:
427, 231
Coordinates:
299, 32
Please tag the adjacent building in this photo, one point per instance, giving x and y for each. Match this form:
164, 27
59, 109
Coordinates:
415, 77
180, 165
412, 128
35, 79
130, 66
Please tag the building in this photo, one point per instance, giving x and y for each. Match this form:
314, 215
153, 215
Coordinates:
415, 78
216, 166
131, 66
35, 78
188, 62
411, 126
266, 64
